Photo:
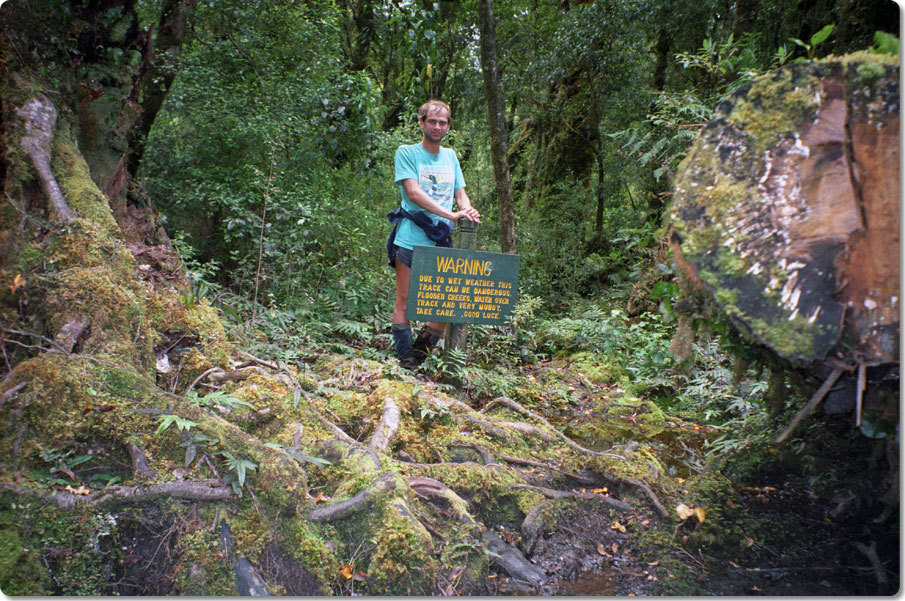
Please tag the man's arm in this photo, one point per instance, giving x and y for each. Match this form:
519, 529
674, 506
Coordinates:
465, 205
420, 198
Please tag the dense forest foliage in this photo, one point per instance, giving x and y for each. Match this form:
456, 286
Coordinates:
257, 139
301, 107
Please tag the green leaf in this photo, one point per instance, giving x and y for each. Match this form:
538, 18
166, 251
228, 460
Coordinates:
190, 452
664, 289
308, 459
78, 460
874, 426
822, 35
885, 43
168, 420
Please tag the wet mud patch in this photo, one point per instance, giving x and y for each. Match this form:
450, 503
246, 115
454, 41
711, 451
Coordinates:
588, 552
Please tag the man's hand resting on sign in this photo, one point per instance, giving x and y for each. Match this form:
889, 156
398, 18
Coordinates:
470, 213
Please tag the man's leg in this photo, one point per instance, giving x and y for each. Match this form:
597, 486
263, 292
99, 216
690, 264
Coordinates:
402, 330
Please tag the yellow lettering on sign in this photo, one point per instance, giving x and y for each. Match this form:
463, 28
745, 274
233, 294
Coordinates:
463, 265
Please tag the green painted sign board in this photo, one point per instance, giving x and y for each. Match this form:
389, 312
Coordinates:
462, 286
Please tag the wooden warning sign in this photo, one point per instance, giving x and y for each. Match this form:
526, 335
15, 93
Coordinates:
462, 286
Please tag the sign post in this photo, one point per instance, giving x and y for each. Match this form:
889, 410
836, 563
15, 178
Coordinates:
455, 337
461, 286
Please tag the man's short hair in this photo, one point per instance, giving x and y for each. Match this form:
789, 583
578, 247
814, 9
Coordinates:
433, 105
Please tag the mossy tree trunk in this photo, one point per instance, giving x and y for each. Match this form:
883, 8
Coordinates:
90, 282
787, 211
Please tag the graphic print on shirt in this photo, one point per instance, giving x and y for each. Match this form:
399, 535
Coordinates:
437, 182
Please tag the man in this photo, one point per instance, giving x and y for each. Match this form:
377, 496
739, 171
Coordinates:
430, 178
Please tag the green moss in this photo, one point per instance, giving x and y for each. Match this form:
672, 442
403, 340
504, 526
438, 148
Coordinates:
490, 492
309, 546
202, 571
74, 177
30, 257
863, 57
727, 298
279, 480
791, 338
21, 572
595, 367
776, 105
624, 419
77, 547
401, 563
60, 409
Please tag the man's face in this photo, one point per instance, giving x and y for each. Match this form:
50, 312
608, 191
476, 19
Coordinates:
435, 125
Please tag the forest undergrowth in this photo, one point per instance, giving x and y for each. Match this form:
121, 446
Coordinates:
580, 456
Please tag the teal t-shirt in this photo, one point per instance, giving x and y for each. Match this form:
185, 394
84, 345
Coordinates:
439, 175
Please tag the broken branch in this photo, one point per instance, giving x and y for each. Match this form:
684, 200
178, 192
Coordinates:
812, 404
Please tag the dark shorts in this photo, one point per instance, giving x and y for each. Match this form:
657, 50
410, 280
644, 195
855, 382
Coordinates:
404, 255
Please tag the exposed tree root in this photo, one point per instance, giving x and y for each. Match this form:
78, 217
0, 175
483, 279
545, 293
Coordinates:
486, 456
445, 498
870, 552
491, 429
859, 393
268, 364
546, 466
386, 429
559, 494
237, 374
512, 560
248, 579
195, 490
342, 451
361, 501
527, 429
9, 393
201, 377
507, 402
811, 404
655, 501
69, 333
40, 116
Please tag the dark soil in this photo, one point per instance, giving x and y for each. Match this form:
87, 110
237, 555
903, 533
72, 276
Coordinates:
808, 516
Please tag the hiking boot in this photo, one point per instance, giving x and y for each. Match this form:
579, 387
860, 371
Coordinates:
409, 363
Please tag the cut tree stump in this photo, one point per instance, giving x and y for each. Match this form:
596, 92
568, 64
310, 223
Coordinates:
787, 210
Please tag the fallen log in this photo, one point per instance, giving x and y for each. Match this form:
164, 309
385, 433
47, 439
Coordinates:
787, 210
